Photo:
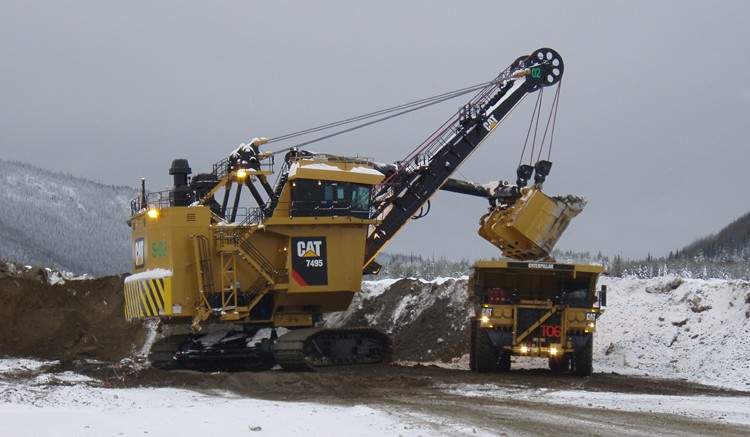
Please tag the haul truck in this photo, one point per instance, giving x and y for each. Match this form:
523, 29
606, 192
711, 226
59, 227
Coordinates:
534, 309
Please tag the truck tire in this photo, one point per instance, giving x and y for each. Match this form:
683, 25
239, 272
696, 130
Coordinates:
486, 353
504, 365
583, 359
559, 364
473, 344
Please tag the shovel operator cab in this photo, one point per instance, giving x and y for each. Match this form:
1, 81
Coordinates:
535, 309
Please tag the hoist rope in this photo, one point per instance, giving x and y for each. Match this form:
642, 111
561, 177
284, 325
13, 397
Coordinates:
550, 119
536, 126
534, 122
554, 119
403, 109
537, 105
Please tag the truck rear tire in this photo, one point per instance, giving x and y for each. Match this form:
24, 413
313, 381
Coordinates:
504, 365
486, 352
583, 359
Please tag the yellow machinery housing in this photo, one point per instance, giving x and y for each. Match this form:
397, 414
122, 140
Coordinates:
286, 270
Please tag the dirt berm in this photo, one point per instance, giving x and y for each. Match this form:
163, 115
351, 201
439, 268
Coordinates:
74, 320
84, 319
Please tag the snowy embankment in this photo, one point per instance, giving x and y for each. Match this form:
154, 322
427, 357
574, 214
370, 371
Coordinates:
669, 327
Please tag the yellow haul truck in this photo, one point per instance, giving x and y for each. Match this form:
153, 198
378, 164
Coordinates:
534, 309
203, 259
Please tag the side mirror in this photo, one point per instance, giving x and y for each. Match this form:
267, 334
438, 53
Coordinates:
603, 297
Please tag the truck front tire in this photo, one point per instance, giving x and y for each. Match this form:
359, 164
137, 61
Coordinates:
559, 364
487, 353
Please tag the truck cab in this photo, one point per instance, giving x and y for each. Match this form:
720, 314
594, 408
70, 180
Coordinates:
537, 309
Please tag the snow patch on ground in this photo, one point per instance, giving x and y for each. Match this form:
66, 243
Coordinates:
20, 365
726, 409
715, 408
72, 405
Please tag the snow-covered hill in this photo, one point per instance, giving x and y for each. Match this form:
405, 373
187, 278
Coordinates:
64, 222
669, 327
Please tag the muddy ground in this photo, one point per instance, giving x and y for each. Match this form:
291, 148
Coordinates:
422, 393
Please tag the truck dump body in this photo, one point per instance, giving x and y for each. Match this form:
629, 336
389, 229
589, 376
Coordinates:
546, 310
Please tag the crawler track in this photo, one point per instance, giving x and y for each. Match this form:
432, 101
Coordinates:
308, 349
299, 350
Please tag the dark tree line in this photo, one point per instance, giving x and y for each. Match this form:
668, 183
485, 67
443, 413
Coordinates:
417, 266
723, 265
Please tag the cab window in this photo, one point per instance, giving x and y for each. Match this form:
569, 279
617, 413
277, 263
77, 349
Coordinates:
314, 198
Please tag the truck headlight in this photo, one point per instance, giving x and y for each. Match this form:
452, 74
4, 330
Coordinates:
485, 319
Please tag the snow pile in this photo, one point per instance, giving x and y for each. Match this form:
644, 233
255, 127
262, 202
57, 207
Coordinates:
371, 289
414, 297
50, 276
671, 327
57, 277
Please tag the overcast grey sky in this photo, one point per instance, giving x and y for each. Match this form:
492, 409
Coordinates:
652, 127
